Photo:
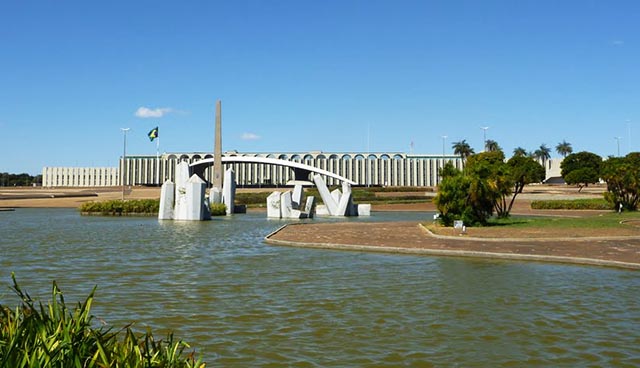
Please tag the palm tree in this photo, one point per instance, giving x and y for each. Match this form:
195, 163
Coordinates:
462, 149
519, 152
564, 148
543, 154
491, 146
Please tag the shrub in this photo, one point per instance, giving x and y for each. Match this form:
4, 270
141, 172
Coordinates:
37, 335
572, 204
259, 198
218, 209
117, 207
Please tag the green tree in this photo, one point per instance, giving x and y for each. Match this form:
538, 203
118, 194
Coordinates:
24, 179
519, 151
488, 184
462, 149
581, 169
522, 171
622, 175
465, 197
542, 154
492, 146
491, 167
564, 148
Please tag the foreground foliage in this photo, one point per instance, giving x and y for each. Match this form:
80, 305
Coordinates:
37, 335
117, 207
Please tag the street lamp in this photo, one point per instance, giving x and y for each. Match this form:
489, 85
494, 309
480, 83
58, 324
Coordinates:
124, 159
618, 140
628, 136
444, 137
484, 136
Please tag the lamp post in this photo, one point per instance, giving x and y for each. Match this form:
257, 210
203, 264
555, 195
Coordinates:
628, 136
484, 137
618, 140
124, 159
444, 137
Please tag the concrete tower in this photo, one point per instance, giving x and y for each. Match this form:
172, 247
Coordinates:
217, 149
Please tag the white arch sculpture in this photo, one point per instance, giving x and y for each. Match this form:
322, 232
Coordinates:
337, 203
301, 171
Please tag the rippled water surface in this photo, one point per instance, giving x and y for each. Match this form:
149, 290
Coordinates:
243, 303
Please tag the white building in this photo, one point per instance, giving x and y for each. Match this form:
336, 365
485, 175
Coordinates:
376, 169
80, 176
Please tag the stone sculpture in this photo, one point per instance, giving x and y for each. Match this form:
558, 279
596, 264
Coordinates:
184, 200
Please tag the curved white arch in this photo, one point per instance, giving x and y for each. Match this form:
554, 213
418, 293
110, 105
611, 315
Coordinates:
273, 161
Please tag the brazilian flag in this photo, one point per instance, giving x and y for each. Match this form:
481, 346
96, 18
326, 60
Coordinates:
153, 134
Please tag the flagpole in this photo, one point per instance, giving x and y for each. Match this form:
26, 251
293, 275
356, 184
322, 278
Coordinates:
158, 160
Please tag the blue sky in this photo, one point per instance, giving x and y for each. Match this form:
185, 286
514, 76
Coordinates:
313, 75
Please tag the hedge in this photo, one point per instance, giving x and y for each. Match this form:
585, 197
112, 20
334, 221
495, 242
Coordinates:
572, 204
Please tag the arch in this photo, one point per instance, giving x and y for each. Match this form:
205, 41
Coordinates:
359, 157
283, 157
301, 170
172, 157
321, 157
372, 157
308, 157
385, 157
333, 157
346, 157
397, 156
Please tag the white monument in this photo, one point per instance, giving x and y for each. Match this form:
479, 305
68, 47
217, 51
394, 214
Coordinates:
229, 190
184, 200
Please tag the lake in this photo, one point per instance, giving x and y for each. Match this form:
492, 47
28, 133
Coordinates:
240, 302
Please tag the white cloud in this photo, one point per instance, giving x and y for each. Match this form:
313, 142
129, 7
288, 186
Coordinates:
250, 137
145, 112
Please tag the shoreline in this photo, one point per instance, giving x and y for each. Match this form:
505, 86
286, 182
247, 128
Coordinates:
412, 238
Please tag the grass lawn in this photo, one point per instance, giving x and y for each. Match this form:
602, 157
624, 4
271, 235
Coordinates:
604, 225
607, 220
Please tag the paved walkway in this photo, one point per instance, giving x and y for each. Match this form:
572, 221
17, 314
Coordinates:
410, 237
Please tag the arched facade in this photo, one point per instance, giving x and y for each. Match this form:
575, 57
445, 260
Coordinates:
365, 169
374, 169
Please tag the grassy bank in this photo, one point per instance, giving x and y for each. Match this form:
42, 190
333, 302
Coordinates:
605, 221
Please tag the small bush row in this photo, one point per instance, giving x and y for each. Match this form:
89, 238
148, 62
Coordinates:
118, 207
252, 198
218, 209
572, 204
